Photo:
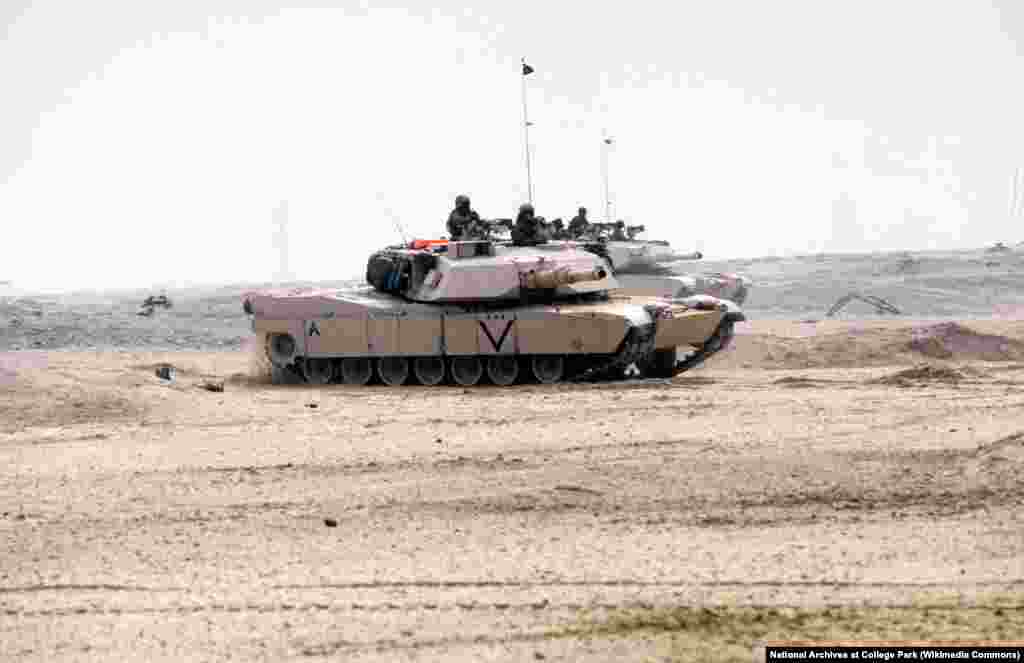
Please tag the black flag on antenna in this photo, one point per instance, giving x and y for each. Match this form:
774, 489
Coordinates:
527, 69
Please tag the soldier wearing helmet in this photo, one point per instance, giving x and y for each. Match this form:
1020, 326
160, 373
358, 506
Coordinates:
619, 234
463, 220
526, 231
579, 223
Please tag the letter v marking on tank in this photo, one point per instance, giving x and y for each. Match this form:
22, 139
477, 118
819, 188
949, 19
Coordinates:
496, 344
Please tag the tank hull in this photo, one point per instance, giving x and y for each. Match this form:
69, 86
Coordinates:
333, 336
731, 287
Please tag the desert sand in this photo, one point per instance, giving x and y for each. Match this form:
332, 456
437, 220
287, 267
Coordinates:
828, 479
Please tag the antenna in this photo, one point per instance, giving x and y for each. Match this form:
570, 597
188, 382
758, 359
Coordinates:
280, 240
526, 70
394, 217
605, 146
1017, 193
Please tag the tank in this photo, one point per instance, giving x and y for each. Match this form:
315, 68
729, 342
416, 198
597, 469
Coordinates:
649, 268
435, 312
632, 255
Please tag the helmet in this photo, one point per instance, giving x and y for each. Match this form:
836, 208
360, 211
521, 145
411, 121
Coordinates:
582, 210
620, 223
526, 207
461, 200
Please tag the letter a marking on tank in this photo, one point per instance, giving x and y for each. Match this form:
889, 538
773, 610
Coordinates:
501, 339
313, 329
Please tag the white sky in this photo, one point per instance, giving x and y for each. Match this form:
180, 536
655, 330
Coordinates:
146, 142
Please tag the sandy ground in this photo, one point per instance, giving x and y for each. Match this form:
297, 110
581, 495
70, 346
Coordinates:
828, 464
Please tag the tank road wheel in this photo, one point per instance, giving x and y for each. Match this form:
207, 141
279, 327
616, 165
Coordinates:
659, 364
548, 368
429, 370
467, 371
393, 371
503, 370
356, 370
284, 375
317, 371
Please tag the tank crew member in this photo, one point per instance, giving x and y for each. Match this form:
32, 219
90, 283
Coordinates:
619, 234
463, 220
558, 230
526, 231
579, 223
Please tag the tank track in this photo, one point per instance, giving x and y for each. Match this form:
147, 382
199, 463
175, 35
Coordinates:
719, 341
638, 344
634, 349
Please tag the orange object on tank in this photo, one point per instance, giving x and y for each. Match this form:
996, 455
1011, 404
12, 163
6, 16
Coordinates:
425, 243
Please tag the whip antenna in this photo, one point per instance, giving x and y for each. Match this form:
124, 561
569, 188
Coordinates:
394, 218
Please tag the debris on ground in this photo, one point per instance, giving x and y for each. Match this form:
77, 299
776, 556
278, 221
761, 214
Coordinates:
945, 339
577, 489
213, 386
165, 372
923, 373
149, 305
880, 304
797, 381
158, 300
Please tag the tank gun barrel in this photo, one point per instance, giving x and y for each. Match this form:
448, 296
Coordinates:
555, 278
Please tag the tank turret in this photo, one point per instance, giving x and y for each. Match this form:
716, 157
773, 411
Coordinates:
486, 271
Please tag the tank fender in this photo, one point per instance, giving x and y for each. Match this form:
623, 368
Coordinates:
706, 302
733, 312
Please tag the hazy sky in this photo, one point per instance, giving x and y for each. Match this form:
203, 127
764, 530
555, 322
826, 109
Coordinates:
148, 142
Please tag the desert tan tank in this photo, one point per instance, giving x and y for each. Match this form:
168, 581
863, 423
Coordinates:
653, 267
462, 312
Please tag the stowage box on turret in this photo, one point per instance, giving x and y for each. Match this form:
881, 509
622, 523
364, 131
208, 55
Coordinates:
436, 311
